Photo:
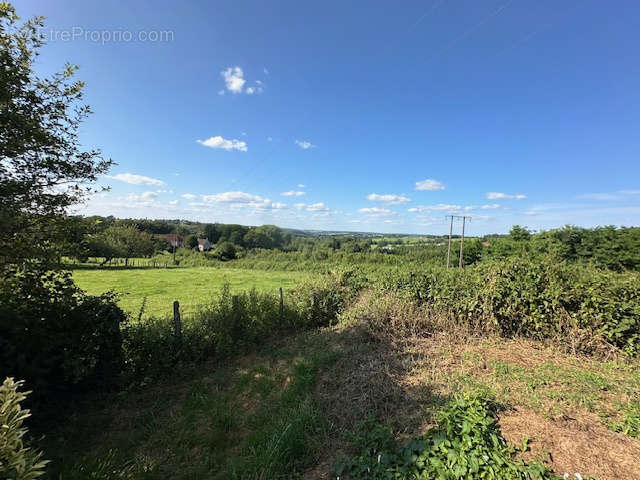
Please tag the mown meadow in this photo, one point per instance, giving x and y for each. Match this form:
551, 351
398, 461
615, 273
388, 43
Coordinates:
152, 291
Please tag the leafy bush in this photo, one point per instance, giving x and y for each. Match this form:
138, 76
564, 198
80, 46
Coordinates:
55, 336
465, 444
17, 462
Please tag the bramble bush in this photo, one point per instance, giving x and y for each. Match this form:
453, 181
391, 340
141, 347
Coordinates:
530, 298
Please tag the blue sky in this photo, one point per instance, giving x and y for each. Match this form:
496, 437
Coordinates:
368, 116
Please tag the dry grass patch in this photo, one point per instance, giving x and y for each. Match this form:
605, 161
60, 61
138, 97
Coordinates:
572, 445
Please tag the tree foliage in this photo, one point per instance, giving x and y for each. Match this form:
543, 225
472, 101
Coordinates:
122, 242
43, 169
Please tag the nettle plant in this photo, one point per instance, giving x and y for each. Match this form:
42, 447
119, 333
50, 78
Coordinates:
465, 444
17, 462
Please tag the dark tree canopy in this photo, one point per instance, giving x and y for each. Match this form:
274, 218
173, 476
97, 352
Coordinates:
43, 168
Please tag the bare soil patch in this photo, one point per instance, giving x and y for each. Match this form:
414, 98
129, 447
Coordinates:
572, 445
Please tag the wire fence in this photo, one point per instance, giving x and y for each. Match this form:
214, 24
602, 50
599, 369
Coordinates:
121, 262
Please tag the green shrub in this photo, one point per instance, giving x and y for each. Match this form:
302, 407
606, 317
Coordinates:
55, 336
465, 444
17, 462
531, 298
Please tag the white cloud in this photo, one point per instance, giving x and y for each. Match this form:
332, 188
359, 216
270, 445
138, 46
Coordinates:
492, 206
301, 185
304, 144
143, 197
320, 209
148, 195
389, 199
377, 212
317, 207
441, 207
219, 142
257, 89
137, 179
266, 72
269, 139
612, 196
174, 202
189, 196
234, 197
505, 196
293, 193
429, 184
233, 79
234, 82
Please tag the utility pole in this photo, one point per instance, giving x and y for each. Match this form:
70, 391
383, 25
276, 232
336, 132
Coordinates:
462, 242
464, 219
449, 247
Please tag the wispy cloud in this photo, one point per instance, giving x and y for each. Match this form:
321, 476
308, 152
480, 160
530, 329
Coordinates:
239, 200
143, 197
189, 196
301, 185
429, 184
388, 199
233, 197
223, 143
505, 196
137, 179
441, 207
293, 193
304, 144
318, 208
377, 211
492, 206
616, 196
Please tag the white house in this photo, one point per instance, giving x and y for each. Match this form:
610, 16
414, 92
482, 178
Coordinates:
204, 244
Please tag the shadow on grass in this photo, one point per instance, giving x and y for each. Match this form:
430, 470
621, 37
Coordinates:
285, 409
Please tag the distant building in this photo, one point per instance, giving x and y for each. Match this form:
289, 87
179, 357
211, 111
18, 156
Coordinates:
171, 238
204, 244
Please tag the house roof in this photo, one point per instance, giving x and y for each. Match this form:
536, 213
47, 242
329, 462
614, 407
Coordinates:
171, 237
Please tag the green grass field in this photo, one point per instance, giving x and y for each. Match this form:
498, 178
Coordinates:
192, 286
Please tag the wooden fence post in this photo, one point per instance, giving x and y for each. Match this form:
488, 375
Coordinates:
281, 304
177, 324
